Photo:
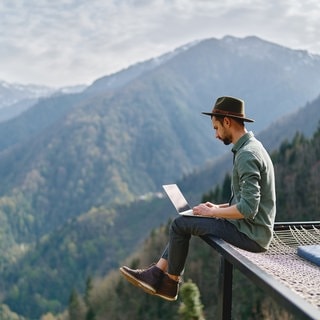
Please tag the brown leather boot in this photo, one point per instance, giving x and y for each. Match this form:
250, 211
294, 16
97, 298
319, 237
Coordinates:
147, 279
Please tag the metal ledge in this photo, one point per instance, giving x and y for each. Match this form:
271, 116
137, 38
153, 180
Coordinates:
232, 258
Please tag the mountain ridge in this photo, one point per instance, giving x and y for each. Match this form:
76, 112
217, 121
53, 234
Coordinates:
128, 133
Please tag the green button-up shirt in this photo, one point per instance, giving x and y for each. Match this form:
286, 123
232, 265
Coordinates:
253, 184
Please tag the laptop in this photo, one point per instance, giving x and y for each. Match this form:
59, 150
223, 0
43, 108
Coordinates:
178, 200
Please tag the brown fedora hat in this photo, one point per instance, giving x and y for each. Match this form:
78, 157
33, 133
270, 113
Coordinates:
229, 107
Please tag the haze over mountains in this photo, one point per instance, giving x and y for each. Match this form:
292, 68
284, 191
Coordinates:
16, 98
70, 156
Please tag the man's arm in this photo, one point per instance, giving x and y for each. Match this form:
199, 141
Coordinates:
218, 211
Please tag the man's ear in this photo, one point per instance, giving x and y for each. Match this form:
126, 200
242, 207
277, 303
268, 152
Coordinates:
227, 121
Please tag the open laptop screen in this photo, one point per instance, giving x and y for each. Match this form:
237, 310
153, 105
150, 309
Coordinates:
176, 197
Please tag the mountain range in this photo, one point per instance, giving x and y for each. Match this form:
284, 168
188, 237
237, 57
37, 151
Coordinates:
70, 160
16, 98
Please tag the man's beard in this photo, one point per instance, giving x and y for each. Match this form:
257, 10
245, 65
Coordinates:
226, 141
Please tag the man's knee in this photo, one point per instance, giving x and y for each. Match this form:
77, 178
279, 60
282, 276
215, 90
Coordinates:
178, 226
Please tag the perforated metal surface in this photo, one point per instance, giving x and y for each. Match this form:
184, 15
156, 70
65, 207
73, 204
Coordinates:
282, 262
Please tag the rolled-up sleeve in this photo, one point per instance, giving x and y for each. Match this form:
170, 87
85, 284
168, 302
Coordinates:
247, 188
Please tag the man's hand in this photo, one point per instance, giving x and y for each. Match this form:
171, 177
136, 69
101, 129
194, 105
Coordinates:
205, 209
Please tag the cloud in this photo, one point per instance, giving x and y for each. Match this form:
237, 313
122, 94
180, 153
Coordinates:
66, 42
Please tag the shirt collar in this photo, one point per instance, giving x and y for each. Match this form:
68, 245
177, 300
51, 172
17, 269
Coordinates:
242, 141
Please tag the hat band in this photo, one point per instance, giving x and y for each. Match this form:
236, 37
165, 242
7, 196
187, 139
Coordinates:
223, 112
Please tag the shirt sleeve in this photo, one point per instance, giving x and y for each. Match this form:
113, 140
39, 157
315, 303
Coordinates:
249, 174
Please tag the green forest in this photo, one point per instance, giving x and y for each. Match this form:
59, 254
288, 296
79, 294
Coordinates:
297, 167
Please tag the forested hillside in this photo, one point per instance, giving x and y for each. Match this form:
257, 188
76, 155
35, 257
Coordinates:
305, 120
298, 179
297, 166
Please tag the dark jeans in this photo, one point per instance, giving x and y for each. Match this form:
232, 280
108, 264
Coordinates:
182, 228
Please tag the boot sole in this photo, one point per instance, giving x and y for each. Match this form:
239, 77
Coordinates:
166, 297
138, 283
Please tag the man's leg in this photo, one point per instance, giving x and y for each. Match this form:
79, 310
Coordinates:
182, 228
162, 279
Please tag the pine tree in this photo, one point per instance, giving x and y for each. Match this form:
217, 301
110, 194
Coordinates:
191, 306
76, 308
89, 286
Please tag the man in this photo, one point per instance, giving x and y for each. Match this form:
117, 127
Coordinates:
247, 224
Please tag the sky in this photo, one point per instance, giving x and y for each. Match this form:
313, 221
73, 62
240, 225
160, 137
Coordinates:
69, 42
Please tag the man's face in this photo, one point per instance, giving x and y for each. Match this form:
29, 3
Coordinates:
222, 132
